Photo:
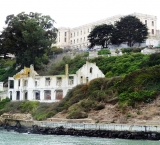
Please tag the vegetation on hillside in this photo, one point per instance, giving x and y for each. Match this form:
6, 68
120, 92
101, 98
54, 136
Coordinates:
130, 79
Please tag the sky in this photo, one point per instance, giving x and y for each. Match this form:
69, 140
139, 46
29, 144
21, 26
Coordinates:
74, 13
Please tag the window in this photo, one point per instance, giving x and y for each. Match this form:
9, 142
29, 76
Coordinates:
87, 79
65, 39
74, 41
59, 94
81, 32
84, 38
25, 83
47, 94
19, 83
77, 33
81, 80
59, 81
37, 94
36, 82
47, 82
77, 40
71, 80
11, 84
10, 95
152, 31
71, 35
81, 39
146, 22
25, 95
91, 69
65, 33
17, 95
152, 23
71, 41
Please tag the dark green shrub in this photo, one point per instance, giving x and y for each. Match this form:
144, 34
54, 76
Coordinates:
100, 106
104, 52
77, 114
4, 102
29, 106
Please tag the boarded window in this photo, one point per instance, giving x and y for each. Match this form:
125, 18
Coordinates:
47, 95
59, 94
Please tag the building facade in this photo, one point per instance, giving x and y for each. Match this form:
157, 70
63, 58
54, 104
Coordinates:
28, 85
76, 38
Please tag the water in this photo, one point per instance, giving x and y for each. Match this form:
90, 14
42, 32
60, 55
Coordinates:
12, 138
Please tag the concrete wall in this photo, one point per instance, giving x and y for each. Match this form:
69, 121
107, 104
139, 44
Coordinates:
113, 127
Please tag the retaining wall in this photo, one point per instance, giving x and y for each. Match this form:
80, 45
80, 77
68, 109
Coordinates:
112, 127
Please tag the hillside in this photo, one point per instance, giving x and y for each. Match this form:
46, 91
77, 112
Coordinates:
130, 92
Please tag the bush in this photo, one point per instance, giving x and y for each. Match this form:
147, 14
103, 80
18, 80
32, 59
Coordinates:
77, 114
29, 106
100, 106
104, 52
4, 102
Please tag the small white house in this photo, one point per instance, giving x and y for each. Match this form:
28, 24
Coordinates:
28, 85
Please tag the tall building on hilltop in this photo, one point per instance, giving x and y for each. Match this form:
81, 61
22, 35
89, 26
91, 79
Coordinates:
76, 38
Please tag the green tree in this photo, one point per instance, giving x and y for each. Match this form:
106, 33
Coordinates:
28, 37
101, 35
131, 30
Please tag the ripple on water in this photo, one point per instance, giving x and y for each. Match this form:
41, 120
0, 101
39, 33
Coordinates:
12, 138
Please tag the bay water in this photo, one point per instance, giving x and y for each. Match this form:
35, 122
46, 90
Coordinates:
14, 138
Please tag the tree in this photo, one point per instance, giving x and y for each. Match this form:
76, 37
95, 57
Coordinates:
28, 37
101, 35
130, 30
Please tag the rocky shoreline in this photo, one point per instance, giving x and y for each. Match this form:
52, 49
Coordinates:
35, 129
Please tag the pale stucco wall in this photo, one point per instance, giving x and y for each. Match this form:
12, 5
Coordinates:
37, 83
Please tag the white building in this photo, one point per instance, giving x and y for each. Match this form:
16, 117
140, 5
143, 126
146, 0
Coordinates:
28, 85
1, 86
74, 38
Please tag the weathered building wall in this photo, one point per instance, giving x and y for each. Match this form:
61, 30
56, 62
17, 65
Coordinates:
28, 85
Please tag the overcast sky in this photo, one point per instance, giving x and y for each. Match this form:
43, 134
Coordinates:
73, 13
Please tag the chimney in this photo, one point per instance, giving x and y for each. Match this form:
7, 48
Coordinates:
66, 69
